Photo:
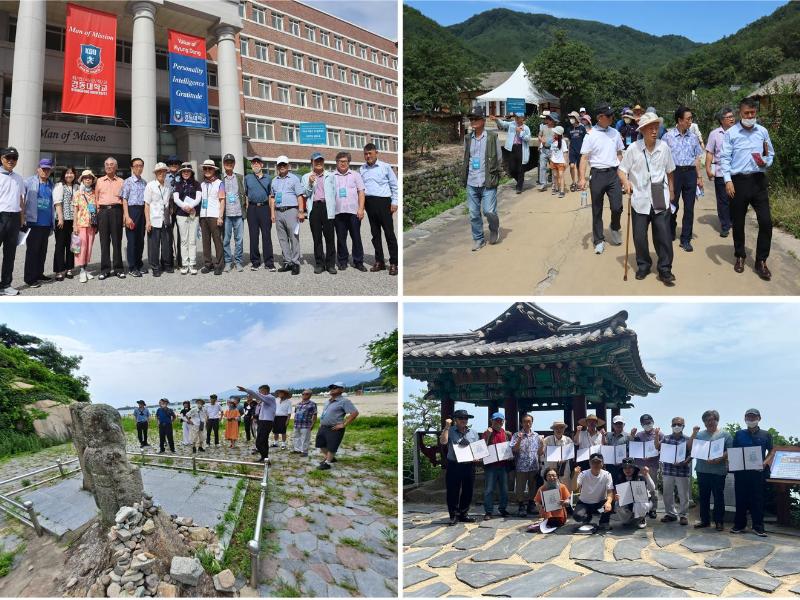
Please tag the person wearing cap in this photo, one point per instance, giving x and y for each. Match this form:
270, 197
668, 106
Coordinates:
616, 437
747, 153
287, 205
214, 413
305, 415
749, 484
459, 477
265, 413
711, 474
551, 119
165, 417
108, 191
635, 511
661, 129
496, 473
686, 153
173, 231
235, 214
626, 110
186, 426
142, 417
283, 410
380, 202
197, 418
602, 151
527, 448
587, 435
676, 476
596, 487
85, 222
338, 413
63, 198
726, 119
637, 111
585, 115
481, 176
156, 215
628, 130
12, 216
648, 433
321, 204
259, 224
133, 210
557, 439
212, 213
558, 160
187, 197
39, 218
350, 201
576, 132
647, 174
517, 140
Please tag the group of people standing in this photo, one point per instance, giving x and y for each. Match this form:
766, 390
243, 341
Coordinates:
176, 207
637, 155
259, 415
594, 482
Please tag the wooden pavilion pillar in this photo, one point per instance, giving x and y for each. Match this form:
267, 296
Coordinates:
615, 410
600, 411
578, 411
568, 417
512, 414
448, 408
491, 409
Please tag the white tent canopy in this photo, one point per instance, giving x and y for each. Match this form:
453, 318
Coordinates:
516, 86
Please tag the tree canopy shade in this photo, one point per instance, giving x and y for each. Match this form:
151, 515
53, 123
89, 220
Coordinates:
44, 351
382, 353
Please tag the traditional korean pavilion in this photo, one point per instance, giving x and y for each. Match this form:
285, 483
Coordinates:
529, 360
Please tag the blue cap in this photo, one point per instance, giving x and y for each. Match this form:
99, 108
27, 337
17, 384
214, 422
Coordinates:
498, 415
315, 156
46, 163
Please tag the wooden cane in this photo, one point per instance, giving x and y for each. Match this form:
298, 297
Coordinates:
627, 238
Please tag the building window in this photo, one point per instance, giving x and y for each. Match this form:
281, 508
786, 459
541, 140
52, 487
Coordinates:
394, 63
294, 27
334, 139
389, 87
385, 60
375, 56
394, 144
12, 30
393, 116
368, 82
370, 111
241, 9
313, 66
213, 121
346, 107
300, 97
54, 38
311, 33
338, 41
264, 89
381, 142
259, 15
162, 59
277, 21
381, 113
211, 70
354, 77
260, 129
363, 52
351, 48
262, 53
379, 85
332, 104
244, 47
324, 38
124, 52
280, 56
297, 61
283, 93
359, 109
329, 70
316, 99
289, 132
342, 75
355, 140
247, 88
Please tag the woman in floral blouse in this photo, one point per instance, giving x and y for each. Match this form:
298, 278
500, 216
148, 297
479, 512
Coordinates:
85, 222
64, 192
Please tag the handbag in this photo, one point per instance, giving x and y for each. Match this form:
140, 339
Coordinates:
75, 243
656, 190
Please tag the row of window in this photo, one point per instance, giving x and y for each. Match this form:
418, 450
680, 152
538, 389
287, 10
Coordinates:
280, 56
294, 27
256, 87
270, 131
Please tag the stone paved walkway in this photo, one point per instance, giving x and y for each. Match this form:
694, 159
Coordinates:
498, 558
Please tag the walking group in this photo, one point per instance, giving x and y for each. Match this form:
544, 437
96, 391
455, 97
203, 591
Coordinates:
658, 168
168, 214
558, 476
260, 414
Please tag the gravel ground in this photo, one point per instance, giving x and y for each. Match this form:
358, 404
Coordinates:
247, 283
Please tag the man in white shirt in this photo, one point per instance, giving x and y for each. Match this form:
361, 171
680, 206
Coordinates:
12, 216
646, 172
602, 150
597, 492
214, 412
157, 219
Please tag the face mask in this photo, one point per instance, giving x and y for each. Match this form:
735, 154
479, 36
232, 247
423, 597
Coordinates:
677, 428
751, 424
647, 427
551, 485
573, 122
627, 121
749, 123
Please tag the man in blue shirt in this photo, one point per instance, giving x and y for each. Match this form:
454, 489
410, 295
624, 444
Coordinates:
459, 476
39, 219
133, 217
142, 416
257, 188
687, 177
380, 186
165, 416
747, 152
749, 485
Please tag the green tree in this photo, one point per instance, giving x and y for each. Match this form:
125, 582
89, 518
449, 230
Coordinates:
382, 354
760, 64
44, 351
433, 76
422, 413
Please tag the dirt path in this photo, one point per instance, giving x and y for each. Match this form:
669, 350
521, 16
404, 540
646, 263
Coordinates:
546, 248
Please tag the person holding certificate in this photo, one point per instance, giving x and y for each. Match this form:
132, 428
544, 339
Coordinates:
635, 494
649, 436
711, 473
597, 493
676, 470
496, 473
616, 437
527, 448
587, 435
749, 484
558, 439
459, 476
552, 498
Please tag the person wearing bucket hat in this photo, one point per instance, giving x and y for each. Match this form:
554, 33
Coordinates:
629, 128
588, 434
496, 473
212, 214
186, 196
545, 140
596, 487
84, 222
481, 176
558, 160
287, 204
231, 415
459, 476
576, 132
557, 439
688, 178
321, 203
635, 512
156, 214
12, 216
142, 417
338, 413
259, 224
602, 150
519, 135
39, 219
283, 410
132, 195
749, 484
235, 214
647, 174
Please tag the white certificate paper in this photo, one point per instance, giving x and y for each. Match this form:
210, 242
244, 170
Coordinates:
463, 453
553, 453
479, 449
716, 449
639, 489
636, 449
753, 460
650, 450
584, 453
700, 449
625, 493
608, 454
680, 453
619, 453
551, 500
22, 236
568, 452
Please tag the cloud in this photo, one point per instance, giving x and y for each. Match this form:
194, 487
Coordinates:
374, 15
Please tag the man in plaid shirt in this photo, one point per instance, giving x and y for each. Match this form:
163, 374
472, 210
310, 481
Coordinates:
677, 475
305, 415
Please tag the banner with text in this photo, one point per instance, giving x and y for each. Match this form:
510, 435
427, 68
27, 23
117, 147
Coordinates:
188, 84
90, 62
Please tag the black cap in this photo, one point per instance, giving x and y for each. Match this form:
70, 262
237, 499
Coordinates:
10, 151
645, 418
229, 157
477, 112
462, 414
596, 455
140, 402
172, 160
604, 108
628, 462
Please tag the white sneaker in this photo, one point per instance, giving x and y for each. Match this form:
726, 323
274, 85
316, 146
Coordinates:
274, 445
283, 446
239, 268
83, 277
228, 267
9, 291
616, 237
89, 275
599, 248
184, 270
192, 271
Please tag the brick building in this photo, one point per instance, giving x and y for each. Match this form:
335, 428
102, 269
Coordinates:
300, 64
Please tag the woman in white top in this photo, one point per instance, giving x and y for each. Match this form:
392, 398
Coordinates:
156, 205
558, 161
63, 193
283, 409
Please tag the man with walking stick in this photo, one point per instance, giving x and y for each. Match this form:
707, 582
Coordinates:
646, 172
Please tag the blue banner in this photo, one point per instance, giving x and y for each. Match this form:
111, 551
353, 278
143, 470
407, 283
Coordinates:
515, 105
188, 91
313, 133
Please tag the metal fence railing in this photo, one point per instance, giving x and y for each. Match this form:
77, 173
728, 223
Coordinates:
194, 460
255, 544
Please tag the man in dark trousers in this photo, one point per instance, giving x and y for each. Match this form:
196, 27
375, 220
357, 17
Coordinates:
459, 476
165, 417
214, 412
749, 485
265, 413
142, 417
380, 185
257, 188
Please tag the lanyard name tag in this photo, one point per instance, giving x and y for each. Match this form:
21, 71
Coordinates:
476, 162
205, 203
92, 208
342, 192
278, 197
43, 204
232, 197
627, 140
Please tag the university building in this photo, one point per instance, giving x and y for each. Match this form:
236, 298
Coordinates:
271, 66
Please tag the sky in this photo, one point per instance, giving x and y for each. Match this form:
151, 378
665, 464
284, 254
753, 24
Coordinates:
723, 356
378, 16
178, 350
705, 21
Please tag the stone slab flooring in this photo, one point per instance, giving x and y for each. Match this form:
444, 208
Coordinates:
499, 558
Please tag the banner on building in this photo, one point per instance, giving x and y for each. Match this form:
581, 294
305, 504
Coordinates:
90, 62
313, 133
188, 83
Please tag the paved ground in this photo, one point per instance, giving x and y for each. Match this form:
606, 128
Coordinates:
247, 283
546, 248
498, 558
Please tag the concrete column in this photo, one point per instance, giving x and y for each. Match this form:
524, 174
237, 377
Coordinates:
230, 120
144, 128
27, 80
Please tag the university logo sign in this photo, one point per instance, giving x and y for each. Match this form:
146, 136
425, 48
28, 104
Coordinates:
90, 59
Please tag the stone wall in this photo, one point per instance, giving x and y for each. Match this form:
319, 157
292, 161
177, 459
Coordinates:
424, 187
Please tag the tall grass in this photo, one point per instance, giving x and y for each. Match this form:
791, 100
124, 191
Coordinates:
13, 442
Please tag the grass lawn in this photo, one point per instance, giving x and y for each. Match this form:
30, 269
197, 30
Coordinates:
785, 207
